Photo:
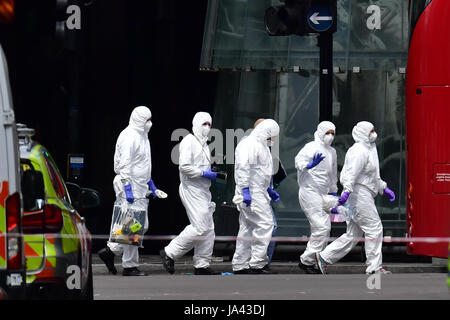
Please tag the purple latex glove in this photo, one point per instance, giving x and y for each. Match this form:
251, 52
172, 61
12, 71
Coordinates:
129, 193
390, 194
211, 175
152, 187
343, 198
273, 194
334, 210
247, 197
315, 161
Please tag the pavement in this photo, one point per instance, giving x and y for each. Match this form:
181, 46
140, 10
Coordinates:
231, 290
152, 265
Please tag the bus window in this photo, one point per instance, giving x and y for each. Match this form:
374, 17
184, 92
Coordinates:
415, 10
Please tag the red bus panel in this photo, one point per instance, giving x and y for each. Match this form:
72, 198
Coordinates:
428, 130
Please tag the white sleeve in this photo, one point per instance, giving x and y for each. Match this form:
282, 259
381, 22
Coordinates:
186, 160
303, 158
242, 165
355, 161
382, 185
126, 148
333, 180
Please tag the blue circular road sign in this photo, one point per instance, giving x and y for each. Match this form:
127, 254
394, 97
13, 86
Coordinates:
320, 18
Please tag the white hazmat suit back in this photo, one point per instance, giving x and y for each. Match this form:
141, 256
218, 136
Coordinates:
132, 165
361, 162
313, 184
195, 157
132, 158
361, 176
254, 170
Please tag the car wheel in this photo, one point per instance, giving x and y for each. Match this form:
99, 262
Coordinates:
88, 293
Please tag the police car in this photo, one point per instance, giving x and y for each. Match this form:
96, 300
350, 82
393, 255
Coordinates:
57, 243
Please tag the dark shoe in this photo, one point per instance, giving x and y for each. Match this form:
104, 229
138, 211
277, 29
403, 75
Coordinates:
204, 271
308, 269
381, 270
132, 272
260, 271
267, 268
321, 264
243, 271
167, 262
107, 257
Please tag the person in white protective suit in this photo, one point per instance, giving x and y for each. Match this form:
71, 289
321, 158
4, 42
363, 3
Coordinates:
316, 165
195, 181
360, 178
253, 173
132, 184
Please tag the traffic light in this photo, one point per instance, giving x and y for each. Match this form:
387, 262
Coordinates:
301, 17
7, 11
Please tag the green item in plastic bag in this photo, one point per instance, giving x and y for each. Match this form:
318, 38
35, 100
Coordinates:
135, 227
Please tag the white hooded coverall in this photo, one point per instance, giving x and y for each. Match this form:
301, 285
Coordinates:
254, 169
132, 165
195, 157
361, 176
313, 184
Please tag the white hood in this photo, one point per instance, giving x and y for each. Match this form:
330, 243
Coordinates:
139, 117
322, 129
361, 132
199, 119
265, 130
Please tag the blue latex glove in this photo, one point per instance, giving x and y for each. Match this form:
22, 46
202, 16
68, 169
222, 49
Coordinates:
211, 175
334, 210
333, 194
390, 194
315, 161
273, 194
152, 187
343, 198
129, 193
247, 197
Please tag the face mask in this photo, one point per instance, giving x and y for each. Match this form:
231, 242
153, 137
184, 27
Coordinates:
148, 125
372, 137
205, 130
328, 139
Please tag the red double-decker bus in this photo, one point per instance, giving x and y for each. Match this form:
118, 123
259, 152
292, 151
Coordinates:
428, 127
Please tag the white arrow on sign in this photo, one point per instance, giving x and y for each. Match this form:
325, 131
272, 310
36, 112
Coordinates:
315, 19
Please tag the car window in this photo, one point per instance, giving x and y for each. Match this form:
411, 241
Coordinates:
56, 179
28, 196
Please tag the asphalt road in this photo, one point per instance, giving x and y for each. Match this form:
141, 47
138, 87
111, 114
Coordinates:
412, 286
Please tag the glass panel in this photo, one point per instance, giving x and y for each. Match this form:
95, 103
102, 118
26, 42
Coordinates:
298, 115
378, 37
378, 97
391, 149
378, 27
370, 31
259, 49
375, 93
241, 98
230, 32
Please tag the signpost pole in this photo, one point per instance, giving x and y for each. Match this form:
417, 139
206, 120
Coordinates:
302, 18
325, 43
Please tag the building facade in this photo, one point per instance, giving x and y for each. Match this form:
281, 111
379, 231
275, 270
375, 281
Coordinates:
278, 77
